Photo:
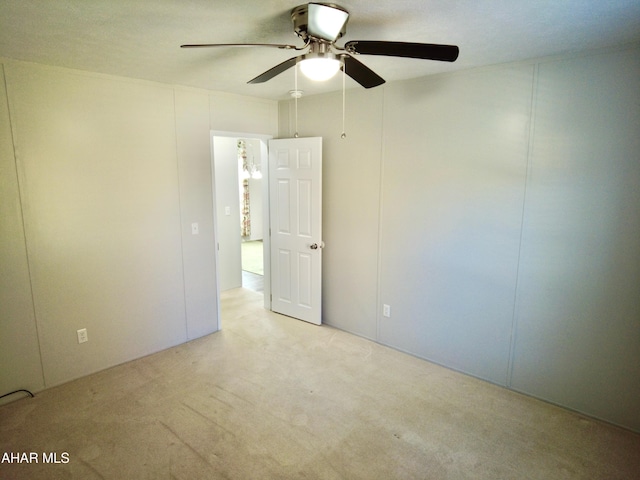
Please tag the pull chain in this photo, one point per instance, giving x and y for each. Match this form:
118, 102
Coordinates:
295, 135
344, 74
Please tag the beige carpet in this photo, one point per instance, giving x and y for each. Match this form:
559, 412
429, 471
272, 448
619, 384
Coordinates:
252, 257
270, 397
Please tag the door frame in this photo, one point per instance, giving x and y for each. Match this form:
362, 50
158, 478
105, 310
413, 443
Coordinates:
266, 241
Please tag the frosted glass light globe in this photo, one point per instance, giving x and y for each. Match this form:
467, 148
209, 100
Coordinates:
320, 68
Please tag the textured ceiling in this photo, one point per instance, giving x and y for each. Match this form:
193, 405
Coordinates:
141, 38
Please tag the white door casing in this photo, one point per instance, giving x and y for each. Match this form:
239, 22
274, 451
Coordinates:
295, 186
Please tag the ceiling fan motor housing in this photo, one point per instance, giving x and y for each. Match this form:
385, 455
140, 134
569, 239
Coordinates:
325, 22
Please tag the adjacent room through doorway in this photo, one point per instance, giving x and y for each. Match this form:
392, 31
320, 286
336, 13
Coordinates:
251, 212
239, 161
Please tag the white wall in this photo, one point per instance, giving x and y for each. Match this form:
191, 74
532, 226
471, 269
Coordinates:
454, 176
225, 154
578, 305
108, 175
497, 212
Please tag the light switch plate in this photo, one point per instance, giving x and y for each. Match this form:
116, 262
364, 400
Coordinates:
195, 230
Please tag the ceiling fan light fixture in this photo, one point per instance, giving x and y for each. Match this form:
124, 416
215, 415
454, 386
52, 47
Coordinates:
319, 67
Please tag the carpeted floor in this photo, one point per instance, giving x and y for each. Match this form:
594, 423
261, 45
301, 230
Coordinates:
252, 257
270, 397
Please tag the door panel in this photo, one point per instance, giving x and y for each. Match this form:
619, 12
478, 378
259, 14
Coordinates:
284, 207
296, 227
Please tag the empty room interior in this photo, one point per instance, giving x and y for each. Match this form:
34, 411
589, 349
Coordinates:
478, 268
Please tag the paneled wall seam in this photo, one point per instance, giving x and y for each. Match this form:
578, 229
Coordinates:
22, 218
528, 160
380, 219
180, 217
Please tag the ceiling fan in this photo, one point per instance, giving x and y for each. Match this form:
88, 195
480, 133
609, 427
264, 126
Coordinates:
320, 25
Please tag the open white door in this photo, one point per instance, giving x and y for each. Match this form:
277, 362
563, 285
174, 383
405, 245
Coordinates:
295, 186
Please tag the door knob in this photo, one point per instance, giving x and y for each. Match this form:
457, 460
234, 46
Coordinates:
314, 246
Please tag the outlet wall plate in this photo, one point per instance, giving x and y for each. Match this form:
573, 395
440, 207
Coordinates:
82, 335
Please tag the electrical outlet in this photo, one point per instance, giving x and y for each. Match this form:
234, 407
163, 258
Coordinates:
386, 310
82, 335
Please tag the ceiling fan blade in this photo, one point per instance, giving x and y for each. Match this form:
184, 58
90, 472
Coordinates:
274, 45
277, 70
426, 51
361, 73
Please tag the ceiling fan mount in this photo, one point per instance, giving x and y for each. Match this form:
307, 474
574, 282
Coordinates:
319, 25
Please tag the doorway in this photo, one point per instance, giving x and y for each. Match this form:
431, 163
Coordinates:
240, 167
251, 218
292, 199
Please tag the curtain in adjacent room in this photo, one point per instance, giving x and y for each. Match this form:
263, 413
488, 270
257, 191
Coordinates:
245, 211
